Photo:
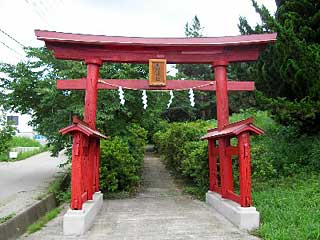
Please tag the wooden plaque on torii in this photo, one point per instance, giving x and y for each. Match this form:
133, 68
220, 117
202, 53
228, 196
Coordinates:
157, 72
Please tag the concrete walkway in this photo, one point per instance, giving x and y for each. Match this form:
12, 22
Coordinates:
160, 211
22, 182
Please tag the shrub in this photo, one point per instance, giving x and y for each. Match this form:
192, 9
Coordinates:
6, 134
195, 165
315, 153
24, 142
281, 151
136, 137
303, 115
172, 141
121, 160
184, 153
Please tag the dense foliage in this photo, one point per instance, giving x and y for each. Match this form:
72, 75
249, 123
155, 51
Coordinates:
281, 151
31, 88
122, 160
6, 134
24, 142
290, 68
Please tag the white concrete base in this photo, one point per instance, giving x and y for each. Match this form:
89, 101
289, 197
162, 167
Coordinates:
77, 222
246, 218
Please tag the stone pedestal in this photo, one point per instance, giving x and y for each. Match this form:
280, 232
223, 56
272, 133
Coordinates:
246, 218
77, 222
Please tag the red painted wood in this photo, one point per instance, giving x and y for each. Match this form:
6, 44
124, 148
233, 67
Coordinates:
245, 169
84, 197
225, 166
97, 169
220, 72
213, 154
175, 50
138, 41
236, 54
79, 84
77, 186
90, 107
85, 167
234, 129
217, 190
234, 151
90, 169
233, 196
90, 111
80, 126
211, 164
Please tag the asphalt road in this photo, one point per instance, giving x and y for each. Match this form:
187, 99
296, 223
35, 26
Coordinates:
23, 181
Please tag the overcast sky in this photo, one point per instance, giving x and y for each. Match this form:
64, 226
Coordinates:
143, 18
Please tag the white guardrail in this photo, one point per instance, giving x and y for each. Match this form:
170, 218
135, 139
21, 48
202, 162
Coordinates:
14, 151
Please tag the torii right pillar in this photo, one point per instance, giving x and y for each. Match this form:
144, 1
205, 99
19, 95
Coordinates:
227, 203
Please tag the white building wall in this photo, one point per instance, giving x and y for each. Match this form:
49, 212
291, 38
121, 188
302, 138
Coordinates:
23, 129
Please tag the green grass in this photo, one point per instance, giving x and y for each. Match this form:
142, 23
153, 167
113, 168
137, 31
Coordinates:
22, 155
7, 217
60, 187
25, 155
24, 142
4, 157
43, 221
289, 207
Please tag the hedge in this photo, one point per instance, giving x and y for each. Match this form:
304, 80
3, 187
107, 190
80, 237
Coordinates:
281, 151
122, 160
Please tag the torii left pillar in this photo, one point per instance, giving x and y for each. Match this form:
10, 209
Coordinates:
90, 115
77, 222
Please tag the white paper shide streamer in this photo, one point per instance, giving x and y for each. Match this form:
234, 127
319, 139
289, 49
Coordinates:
144, 99
191, 97
171, 98
121, 96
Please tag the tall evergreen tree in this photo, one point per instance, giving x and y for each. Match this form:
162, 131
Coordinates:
290, 68
205, 106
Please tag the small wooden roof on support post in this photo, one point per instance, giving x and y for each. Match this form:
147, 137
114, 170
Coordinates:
234, 129
140, 50
80, 126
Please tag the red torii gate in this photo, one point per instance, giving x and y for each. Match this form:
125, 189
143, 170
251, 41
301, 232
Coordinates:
219, 51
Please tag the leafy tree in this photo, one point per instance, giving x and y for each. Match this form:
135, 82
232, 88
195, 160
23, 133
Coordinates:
6, 134
31, 88
290, 67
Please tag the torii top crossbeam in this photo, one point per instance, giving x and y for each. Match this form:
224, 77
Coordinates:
140, 50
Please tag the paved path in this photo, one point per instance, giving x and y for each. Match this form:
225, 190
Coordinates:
22, 182
160, 211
